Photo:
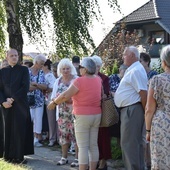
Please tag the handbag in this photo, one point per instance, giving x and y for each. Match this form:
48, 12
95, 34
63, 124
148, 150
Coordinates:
31, 98
110, 115
31, 95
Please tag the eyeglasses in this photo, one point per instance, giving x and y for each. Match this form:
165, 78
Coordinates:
80, 67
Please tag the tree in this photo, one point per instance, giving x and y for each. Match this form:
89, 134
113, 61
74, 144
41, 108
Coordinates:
2, 31
71, 20
111, 49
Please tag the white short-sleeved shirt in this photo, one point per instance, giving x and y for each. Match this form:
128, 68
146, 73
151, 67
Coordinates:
134, 80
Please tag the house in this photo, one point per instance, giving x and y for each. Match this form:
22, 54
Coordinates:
151, 22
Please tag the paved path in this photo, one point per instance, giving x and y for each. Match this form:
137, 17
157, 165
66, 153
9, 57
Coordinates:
46, 158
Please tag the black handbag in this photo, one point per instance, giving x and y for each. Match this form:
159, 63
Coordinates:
31, 95
31, 98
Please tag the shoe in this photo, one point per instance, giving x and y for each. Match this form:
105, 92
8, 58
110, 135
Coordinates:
37, 144
51, 144
62, 161
75, 163
104, 168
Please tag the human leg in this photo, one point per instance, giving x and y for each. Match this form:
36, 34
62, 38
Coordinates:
52, 126
38, 114
82, 127
132, 119
93, 149
104, 144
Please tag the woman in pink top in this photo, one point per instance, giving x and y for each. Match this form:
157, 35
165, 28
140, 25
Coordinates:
86, 95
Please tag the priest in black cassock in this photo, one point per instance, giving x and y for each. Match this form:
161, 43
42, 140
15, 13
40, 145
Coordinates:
15, 115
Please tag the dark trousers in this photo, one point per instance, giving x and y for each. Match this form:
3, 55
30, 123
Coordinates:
1, 134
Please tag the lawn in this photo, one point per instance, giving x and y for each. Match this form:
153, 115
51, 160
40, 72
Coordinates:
8, 166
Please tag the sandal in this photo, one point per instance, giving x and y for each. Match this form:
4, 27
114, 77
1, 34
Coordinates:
62, 161
75, 163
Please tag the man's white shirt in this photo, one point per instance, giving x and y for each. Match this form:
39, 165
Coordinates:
133, 81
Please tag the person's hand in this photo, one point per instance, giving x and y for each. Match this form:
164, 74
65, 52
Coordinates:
148, 136
34, 84
10, 100
6, 105
51, 105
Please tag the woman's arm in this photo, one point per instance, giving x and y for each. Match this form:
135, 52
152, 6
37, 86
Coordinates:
35, 85
149, 112
66, 95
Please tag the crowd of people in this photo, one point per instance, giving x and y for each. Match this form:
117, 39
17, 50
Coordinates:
67, 107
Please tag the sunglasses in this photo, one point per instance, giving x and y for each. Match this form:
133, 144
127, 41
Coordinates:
80, 67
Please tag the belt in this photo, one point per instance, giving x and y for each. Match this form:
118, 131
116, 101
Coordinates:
129, 105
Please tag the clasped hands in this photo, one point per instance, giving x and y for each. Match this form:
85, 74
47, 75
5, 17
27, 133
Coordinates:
8, 103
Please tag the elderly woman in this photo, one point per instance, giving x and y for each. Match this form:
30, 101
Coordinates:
67, 73
86, 95
37, 84
104, 138
157, 115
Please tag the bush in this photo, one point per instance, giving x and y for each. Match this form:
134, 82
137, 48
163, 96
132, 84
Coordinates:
116, 150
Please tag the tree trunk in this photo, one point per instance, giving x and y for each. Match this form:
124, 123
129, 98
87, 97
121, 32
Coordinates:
14, 29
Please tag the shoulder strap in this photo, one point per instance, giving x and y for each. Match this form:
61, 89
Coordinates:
38, 76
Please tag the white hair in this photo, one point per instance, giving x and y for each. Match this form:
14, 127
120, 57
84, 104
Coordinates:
97, 60
133, 50
39, 57
66, 62
165, 55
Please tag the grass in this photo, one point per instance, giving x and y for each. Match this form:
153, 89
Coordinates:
8, 166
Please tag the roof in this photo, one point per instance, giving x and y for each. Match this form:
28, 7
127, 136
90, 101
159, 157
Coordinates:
158, 10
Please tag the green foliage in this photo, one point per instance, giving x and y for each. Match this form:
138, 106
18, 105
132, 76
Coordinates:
116, 150
2, 29
115, 69
111, 70
157, 67
71, 20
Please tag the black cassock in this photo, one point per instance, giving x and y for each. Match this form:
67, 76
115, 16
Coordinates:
16, 129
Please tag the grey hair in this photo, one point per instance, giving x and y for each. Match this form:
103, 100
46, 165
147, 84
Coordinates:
39, 57
66, 62
165, 55
133, 50
89, 64
97, 60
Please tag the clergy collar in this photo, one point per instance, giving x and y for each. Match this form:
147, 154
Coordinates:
12, 66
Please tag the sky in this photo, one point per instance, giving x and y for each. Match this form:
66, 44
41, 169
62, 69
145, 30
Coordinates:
99, 30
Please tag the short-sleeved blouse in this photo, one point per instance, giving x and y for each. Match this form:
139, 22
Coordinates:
39, 96
88, 98
114, 81
160, 129
151, 74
